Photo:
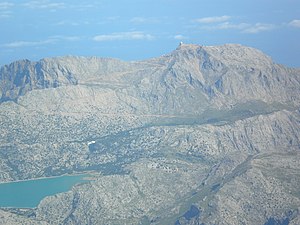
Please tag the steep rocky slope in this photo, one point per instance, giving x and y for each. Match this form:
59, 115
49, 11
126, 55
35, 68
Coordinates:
203, 135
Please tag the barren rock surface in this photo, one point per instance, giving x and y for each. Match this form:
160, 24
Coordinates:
203, 135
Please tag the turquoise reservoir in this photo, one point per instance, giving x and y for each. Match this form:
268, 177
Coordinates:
28, 194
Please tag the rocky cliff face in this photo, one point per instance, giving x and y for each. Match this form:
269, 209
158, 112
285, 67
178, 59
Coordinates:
203, 135
222, 76
23, 76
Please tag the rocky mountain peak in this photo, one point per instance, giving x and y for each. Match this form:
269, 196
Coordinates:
229, 54
238, 55
165, 140
221, 74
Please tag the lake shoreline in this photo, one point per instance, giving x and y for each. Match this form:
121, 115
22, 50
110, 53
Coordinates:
41, 178
27, 194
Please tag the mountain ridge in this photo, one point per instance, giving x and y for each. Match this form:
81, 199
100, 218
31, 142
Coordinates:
53, 72
208, 68
202, 135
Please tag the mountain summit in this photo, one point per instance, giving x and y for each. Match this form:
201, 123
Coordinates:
220, 75
202, 135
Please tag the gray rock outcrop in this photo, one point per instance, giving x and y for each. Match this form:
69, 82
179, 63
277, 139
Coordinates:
203, 135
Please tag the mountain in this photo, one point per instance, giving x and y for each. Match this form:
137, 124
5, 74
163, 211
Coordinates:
203, 135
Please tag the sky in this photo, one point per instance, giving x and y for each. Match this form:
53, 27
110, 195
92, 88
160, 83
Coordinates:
141, 29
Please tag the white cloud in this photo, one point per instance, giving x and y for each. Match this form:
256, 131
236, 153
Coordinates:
6, 5
134, 35
228, 25
224, 23
84, 6
215, 19
295, 23
64, 38
44, 5
259, 27
243, 27
53, 6
111, 19
180, 37
49, 40
139, 20
20, 44
71, 23
5, 10
5, 14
